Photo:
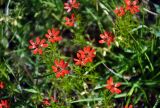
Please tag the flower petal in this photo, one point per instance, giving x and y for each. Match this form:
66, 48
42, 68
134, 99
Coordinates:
37, 40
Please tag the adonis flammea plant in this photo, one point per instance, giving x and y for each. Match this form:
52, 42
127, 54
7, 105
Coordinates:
85, 53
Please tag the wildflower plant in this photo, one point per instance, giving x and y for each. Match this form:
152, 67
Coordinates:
79, 54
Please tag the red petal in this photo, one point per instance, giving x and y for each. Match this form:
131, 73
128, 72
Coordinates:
62, 74
42, 41
78, 55
110, 81
45, 45
58, 38
47, 36
71, 1
101, 41
61, 63
56, 62
112, 90
40, 51
115, 11
118, 91
32, 47
108, 87
1, 85
52, 40
117, 84
127, 2
78, 63
56, 33
37, 40
65, 65
135, 2
31, 42
130, 106
108, 43
53, 31
76, 59
102, 36
49, 32
72, 16
58, 75
54, 68
81, 52
35, 51
66, 72
67, 19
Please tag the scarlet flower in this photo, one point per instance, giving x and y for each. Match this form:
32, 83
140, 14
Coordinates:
1, 85
119, 11
46, 102
107, 37
38, 45
70, 21
4, 104
113, 87
60, 68
132, 6
53, 35
71, 4
130, 106
84, 56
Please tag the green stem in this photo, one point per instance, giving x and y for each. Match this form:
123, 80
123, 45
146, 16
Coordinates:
157, 102
112, 71
38, 77
151, 66
87, 100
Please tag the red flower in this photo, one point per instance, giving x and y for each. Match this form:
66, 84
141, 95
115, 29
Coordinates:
46, 102
106, 38
53, 35
130, 106
38, 45
60, 68
113, 87
132, 6
84, 56
70, 21
4, 104
1, 85
71, 4
119, 11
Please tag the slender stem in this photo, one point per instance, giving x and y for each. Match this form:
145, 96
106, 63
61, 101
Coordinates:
7, 8
152, 68
28, 73
153, 13
38, 77
157, 102
7, 13
94, 67
112, 71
